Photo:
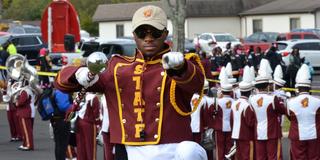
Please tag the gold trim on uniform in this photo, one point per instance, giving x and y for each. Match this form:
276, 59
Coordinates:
25, 131
138, 126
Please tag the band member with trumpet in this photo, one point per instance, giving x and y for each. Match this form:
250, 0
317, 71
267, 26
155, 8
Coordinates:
243, 120
304, 114
23, 89
267, 108
148, 95
221, 113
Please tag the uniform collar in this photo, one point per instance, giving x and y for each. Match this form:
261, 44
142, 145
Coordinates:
304, 93
139, 54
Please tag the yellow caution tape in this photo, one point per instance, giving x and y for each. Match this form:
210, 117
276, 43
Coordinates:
52, 74
284, 88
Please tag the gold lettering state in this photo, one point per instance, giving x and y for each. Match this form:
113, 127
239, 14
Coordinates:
138, 69
137, 98
139, 112
137, 80
139, 128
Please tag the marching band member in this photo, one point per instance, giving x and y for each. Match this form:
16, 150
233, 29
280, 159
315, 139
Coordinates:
148, 95
233, 81
197, 118
12, 117
304, 114
267, 108
88, 118
221, 121
22, 91
108, 147
277, 91
24, 113
243, 119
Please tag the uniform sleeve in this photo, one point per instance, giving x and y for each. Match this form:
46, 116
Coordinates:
96, 109
231, 119
279, 105
22, 99
67, 82
250, 118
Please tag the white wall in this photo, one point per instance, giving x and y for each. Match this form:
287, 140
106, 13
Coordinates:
217, 24
193, 26
317, 14
276, 23
107, 30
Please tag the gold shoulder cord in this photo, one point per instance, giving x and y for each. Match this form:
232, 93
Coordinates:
173, 88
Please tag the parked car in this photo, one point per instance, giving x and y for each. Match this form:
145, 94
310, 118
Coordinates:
28, 45
310, 49
189, 47
125, 47
221, 39
297, 35
260, 39
24, 29
311, 30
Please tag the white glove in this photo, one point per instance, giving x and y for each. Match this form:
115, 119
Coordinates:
172, 60
83, 79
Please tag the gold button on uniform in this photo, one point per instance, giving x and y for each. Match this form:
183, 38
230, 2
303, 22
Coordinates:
158, 104
155, 136
162, 73
124, 120
158, 89
157, 120
120, 90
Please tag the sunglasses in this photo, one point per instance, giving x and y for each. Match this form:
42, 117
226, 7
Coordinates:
155, 33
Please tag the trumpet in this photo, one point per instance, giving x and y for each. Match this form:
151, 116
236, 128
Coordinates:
232, 152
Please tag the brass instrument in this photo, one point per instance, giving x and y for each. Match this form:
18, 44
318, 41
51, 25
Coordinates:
232, 152
21, 74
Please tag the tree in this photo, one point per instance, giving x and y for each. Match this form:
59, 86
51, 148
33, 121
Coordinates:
177, 13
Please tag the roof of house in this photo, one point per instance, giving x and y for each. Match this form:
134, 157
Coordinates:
284, 7
195, 8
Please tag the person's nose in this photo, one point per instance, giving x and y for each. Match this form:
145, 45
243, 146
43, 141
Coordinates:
149, 37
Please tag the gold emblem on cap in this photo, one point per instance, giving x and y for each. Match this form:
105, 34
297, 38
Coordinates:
147, 12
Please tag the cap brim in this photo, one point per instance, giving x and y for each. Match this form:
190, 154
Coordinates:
243, 86
154, 24
279, 82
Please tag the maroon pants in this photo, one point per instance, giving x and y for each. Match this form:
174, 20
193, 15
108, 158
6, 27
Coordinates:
107, 146
86, 140
223, 144
14, 124
305, 149
245, 150
27, 132
268, 149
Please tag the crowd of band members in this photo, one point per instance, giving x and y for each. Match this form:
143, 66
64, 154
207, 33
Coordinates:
239, 57
256, 142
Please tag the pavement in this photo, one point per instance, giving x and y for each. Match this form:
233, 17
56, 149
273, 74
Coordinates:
44, 145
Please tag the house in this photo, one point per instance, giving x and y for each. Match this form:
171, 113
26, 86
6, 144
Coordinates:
202, 16
281, 16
